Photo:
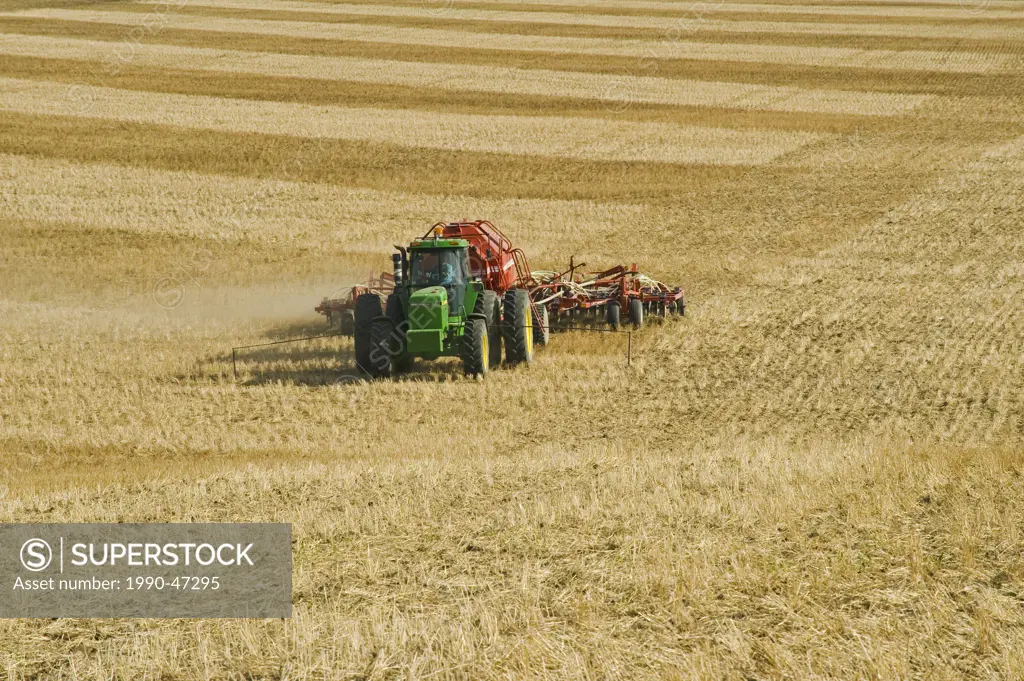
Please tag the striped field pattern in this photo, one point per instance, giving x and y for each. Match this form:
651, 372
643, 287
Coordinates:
641, 50
954, 9
815, 474
606, 87
215, 207
526, 135
671, 26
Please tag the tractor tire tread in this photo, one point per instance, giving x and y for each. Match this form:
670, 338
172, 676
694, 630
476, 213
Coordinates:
394, 312
488, 304
517, 326
367, 308
541, 325
474, 363
380, 362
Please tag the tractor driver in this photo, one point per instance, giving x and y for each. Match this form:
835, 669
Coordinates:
448, 281
454, 270
447, 275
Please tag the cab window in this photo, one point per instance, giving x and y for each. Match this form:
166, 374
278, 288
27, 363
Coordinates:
443, 267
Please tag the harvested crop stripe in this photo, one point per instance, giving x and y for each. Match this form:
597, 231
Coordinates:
683, 9
957, 11
676, 25
228, 207
944, 62
469, 77
541, 136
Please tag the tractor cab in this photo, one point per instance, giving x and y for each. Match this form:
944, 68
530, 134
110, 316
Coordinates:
443, 263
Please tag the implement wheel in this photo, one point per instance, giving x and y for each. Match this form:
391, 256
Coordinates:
614, 315
368, 308
541, 324
382, 340
476, 353
517, 326
636, 312
489, 306
347, 323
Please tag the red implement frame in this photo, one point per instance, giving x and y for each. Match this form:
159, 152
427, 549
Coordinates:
341, 311
492, 258
568, 292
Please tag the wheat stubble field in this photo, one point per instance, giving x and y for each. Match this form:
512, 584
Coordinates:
815, 475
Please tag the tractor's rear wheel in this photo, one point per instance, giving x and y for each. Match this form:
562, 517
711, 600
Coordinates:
382, 338
541, 324
489, 305
401, 361
517, 326
368, 308
613, 315
636, 312
476, 353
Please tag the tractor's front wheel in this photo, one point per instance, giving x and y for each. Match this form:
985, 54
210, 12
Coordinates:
476, 355
518, 327
368, 308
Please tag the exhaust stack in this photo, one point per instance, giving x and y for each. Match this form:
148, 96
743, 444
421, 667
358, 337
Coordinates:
396, 262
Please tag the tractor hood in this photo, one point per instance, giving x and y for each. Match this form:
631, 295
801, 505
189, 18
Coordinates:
432, 295
428, 308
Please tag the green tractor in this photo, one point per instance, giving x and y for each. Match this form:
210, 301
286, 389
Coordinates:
455, 296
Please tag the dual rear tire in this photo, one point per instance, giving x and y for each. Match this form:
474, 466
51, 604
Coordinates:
517, 327
380, 335
510, 323
368, 307
488, 306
